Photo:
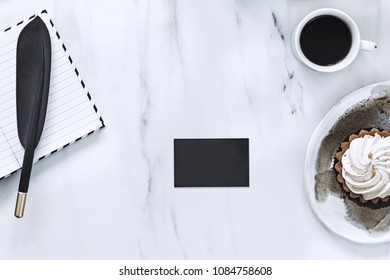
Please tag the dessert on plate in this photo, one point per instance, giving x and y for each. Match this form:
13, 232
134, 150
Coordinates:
363, 167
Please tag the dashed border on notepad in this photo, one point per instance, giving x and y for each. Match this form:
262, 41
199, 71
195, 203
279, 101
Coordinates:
81, 81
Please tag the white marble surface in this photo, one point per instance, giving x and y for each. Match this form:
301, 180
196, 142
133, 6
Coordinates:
164, 69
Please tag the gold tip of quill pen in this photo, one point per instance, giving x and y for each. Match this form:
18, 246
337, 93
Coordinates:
20, 203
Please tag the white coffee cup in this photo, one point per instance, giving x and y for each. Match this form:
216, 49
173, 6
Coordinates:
357, 43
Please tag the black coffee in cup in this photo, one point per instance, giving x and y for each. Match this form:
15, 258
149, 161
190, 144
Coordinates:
326, 40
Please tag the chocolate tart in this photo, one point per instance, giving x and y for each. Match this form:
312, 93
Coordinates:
358, 198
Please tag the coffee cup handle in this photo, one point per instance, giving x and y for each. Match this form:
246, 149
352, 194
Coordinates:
367, 45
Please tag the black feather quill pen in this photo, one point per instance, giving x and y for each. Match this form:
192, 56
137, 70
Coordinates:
33, 66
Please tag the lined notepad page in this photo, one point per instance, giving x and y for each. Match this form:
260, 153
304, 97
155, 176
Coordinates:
70, 113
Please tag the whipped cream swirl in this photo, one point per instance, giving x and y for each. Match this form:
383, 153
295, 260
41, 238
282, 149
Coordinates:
366, 166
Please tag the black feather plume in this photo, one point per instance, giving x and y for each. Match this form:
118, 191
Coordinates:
33, 67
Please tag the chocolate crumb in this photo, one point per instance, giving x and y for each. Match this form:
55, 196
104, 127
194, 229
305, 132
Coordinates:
369, 113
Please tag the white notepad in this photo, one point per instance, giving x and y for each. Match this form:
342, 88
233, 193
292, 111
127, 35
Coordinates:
71, 114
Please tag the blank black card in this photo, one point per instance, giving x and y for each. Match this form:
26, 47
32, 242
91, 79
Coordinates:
211, 162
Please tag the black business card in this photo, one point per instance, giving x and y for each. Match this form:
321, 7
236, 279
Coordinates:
211, 162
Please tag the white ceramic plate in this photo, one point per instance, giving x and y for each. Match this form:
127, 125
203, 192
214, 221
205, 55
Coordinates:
332, 212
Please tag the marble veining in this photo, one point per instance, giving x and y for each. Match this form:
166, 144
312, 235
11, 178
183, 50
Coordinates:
292, 88
277, 26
